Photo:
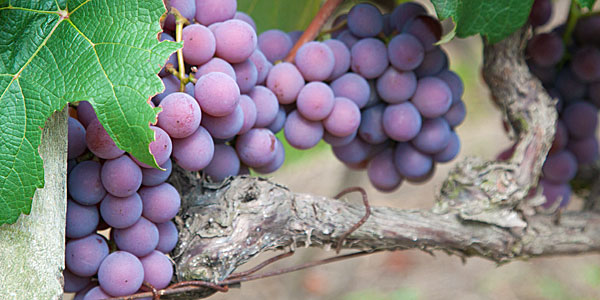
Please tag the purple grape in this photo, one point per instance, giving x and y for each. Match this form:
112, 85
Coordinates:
405, 52
266, 105
160, 203
71, 163
246, 75
236, 40
187, 8
171, 84
161, 147
369, 57
545, 49
336, 141
433, 97
240, 15
371, 125
426, 29
315, 101
96, 293
167, 236
82, 220
410, 162
274, 44
138, 239
451, 151
83, 256
387, 26
347, 38
250, 114
382, 172
337, 22
365, 20
263, 66
586, 64
581, 119
456, 114
352, 86
405, 12
158, 270
560, 167
194, 152
354, 152
341, 56
85, 113
373, 96
199, 44
285, 81
256, 148
76, 139
217, 93
84, 183
84, 291
396, 86
212, 11
401, 122
100, 143
121, 274
547, 75
540, 12
295, 35
216, 65
121, 212
302, 133
152, 176
433, 137
586, 30
315, 61
433, 63
74, 283
569, 87
555, 192
454, 83
224, 127
561, 137
225, 163
121, 177
585, 150
163, 36
344, 119
276, 163
277, 124
180, 115
594, 93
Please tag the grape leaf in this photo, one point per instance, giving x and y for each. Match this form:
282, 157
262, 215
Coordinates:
586, 3
494, 20
286, 15
58, 51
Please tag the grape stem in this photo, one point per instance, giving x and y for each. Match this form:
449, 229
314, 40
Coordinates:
312, 31
333, 29
574, 15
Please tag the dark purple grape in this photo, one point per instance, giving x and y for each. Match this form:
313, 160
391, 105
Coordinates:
158, 270
586, 64
85, 113
382, 172
76, 139
347, 38
302, 133
540, 12
456, 114
433, 137
569, 87
187, 9
354, 152
277, 124
585, 150
295, 35
121, 212
451, 151
274, 44
167, 236
199, 44
365, 20
74, 283
586, 30
138, 239
369, 58
581, 119
336, 141
121, 274
83, 256
545, 49
426, 29
343, 18
432, 97
225, 163
454, 83
555, 192
433, 63
401, 122
547, 75
152, 176
561, 137
82, 220
84, 183
194, 152
404, 12
560, 167
396, 86
405, 52
594, 93
410, 162
371, 125
160, 203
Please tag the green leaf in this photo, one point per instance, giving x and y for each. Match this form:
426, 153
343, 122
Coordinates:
589, 4
286, 15
493, 19
57, 51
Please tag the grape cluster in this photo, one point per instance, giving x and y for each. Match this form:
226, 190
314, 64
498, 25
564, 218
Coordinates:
569, 72
379, 92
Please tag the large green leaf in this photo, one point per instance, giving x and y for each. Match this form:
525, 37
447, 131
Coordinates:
57, 51
586, 3
286, 15
493, 19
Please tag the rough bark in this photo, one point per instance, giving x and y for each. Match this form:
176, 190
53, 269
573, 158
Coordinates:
32, 250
